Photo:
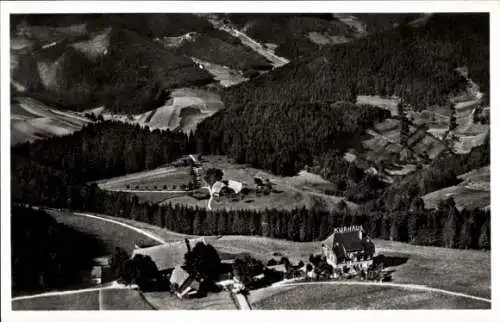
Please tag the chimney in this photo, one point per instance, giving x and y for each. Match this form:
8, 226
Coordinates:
188, 245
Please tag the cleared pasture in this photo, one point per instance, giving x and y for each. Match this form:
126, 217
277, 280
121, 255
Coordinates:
213, 301
186, 108
466, 271
111, 234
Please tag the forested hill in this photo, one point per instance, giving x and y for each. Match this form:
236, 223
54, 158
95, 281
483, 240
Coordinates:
414, 62
283, 137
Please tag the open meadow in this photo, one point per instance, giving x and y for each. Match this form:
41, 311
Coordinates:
104, 299
358, 297
464, 271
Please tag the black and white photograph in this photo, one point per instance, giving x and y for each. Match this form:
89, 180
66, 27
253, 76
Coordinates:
227, 160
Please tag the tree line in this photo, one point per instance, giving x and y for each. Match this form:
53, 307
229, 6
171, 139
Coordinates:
445, 226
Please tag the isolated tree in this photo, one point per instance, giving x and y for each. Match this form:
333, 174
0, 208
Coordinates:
412, 226
394, 231
204, 260
145, 271
118, 262
212, 175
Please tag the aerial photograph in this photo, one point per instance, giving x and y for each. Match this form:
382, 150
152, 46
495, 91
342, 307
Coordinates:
249, 161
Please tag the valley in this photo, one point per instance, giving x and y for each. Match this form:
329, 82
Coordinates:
250, 161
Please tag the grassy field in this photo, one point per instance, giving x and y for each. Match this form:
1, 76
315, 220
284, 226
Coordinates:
31, 120
78, 301
390, 104
354, 297
108, 299
213, 301
223, 74
186, 108
305, 189
111, 234
467, 271
171, 177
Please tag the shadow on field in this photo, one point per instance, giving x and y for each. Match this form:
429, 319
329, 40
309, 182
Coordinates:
390, 261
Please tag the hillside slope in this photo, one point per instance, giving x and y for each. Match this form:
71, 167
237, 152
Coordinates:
416, 63
116, 68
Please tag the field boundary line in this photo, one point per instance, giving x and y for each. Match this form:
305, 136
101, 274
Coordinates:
143, 297
141, 231
52, 293
404, 286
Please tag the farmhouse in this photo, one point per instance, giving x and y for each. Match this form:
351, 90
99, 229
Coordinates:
183, 283
350, 244
219, 187
167, 256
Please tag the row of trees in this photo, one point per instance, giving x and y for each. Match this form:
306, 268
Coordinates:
445, 226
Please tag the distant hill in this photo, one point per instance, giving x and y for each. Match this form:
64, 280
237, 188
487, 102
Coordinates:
128, 74
417, 63
298, 34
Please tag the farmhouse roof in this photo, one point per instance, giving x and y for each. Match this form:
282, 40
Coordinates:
168, 255
278, 268
350, 240
179, 276
235, 185
165, 256
217, 187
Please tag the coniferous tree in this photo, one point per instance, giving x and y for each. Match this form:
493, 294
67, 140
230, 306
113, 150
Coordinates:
484, 237
465, 238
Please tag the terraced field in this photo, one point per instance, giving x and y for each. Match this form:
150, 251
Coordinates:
183, 111
32, 120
